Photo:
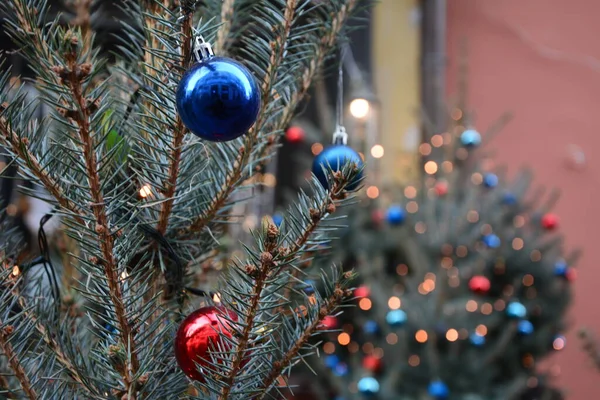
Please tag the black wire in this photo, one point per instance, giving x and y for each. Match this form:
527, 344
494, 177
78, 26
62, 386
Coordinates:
45, 259
132, 102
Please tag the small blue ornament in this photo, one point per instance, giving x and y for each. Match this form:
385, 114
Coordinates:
492, 241
309, 287
516, 310
368, 385
470, 138
476, 339
438, 390
490, 180
218, 99
395, 215
525, 328
396, 318
277, 219
335, 157
371, 327
332, 361
509, 199
561, 268
341, 369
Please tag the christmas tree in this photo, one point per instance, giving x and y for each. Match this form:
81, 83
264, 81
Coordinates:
148, 135
462, 283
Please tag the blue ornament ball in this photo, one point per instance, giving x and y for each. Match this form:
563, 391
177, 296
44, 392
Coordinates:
516, 310
561, 268
476, 339
396, 318
525, 328
395, 215
368, 385
277, 219
218, 99
492, 241
341, 369
331, 361
490, 180
438, 390
509, 199
334, 158
371, 327
470, 138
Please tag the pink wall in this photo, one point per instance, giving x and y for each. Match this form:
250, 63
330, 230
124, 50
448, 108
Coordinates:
540, 59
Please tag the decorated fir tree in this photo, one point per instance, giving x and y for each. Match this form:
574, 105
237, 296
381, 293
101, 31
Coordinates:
148, 136
462, 283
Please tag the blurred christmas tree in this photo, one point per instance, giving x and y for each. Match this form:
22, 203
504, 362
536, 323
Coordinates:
463, 283
146, 139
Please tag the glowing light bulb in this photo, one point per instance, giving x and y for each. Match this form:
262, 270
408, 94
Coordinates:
145, 191
359, 108
377, 151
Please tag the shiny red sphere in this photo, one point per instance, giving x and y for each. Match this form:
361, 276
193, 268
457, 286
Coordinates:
378, 216
571, 274
198, 335
550, 221
372, 363
329, 322
479, 284
294, 134
362, 291
441, 188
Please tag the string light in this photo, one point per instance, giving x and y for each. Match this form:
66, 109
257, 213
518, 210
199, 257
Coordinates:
517, 244
421, 336
414, 360
353, 347
367, 348
412, 207
365, 304
446, 262
528, 280
536, 256
377, 151
519, 221
391, 338
425, 149
447, 166
481, 330
16, 271
431, 167
402, 269
343, 339
145, 191
452, 335
559, 343
486, 309
394, 303
499, 305
437, 140
359, 108
316, 148
420, 227
410, 192
471, 306
472, 216
372, 192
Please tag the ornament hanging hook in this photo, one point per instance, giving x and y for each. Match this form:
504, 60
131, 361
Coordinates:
339, 135
202, 49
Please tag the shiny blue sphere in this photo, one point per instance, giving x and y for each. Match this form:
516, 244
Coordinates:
371, 327
470, 138
476, 339
277, 219
525, 328
396, 318
516, 310
490, 180
334, 158
332, 361
438, 390
341, 369
492, 241
218, 99
561, 268
368, 385
509, 199
395, 215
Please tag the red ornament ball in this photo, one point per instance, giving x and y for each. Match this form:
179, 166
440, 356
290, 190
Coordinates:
441, 188
198, 335
479, 284
378, 216
550, 221
294, 134
329, 322
362, 291
372, 363
571, 274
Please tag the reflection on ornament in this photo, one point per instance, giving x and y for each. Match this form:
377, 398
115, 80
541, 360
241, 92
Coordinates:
492, 241
368, 385
438, 390
334, 158
396, 318
395, 215
470, 138
516, 310
525, 328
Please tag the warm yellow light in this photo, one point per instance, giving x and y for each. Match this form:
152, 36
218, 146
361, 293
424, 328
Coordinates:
364, 304
145, 191
394, 303
437, 140
421, 336
486, 309
359, 108
412, 207
343, 338
372, 192
431, 167
559, 343
217, 298
429, 285
316, 148
528, 280
517, 243
481, 330
452, 335
377, 151
402, 269
471, 306
410, 192
16, 271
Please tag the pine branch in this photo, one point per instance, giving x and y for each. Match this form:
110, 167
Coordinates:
226, 22
14, 363
332, 303
74, 80
178, 135
83, 21
590, 345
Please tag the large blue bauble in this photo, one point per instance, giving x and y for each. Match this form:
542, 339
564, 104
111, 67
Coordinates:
516, 310
525, 327
492, 241
396, 318
561, 268
368, 385
218, 99
395, 215
476, 339
470, 138
334, 157
438, 390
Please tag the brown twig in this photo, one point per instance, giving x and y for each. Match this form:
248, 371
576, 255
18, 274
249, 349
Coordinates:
83, 21
226, 16
73, 80
14, 363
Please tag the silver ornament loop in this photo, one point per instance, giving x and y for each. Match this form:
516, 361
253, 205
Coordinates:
202, 49
340, 136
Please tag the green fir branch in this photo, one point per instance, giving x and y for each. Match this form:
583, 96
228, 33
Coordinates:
13, 360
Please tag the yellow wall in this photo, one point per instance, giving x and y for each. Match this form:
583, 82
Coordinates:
396, 44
